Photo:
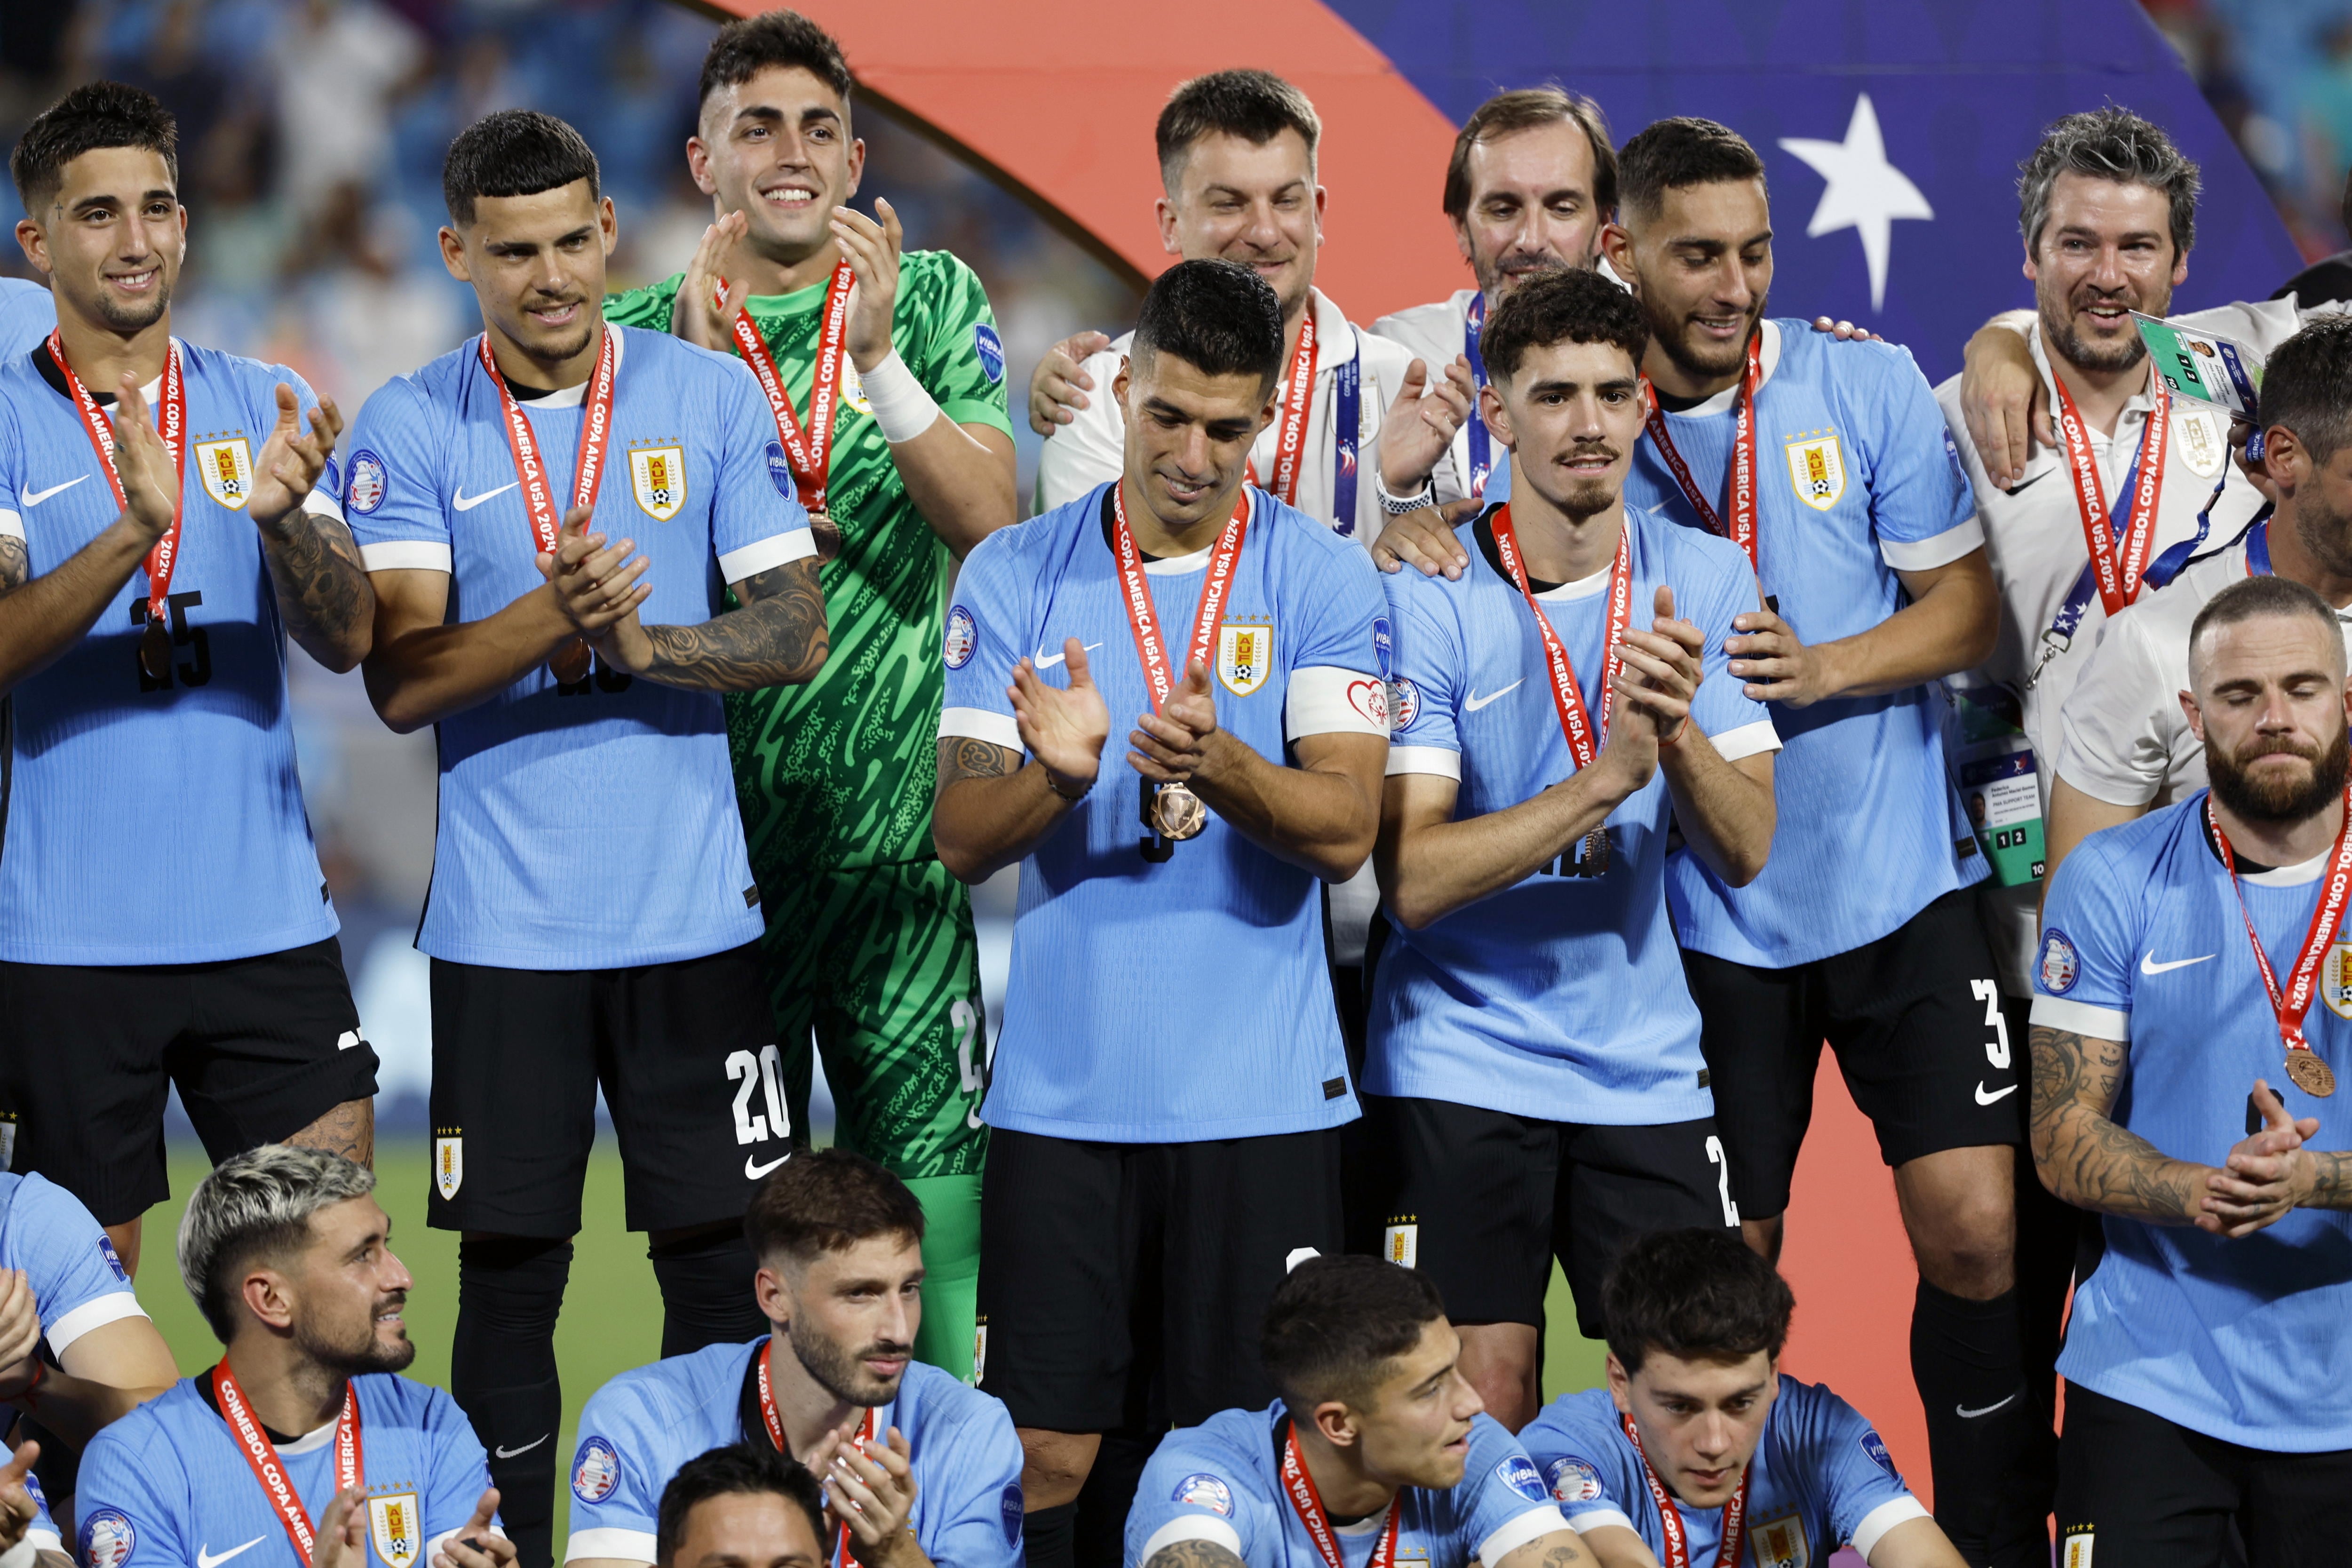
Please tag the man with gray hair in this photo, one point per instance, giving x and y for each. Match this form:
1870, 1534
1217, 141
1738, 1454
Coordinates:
2182, 956
301, 1444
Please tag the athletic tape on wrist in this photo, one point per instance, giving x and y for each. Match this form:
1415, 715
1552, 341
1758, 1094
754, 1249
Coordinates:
901, 406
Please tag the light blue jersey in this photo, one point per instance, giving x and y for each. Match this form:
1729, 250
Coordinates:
2142, 942
1560, 998
66, 1256
1855, 479
640, 1427
1222, 1481
169, 1486
1821, 1479
27, 315
1162, 1002
155, 821
591, 826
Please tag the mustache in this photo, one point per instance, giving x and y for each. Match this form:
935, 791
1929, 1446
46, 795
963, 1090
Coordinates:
1582, 450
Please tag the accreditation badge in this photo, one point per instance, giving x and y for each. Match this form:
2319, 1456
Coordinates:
2336, 978
1817, 468
658, 479
1245, 655
1780, 1543
396, 1527
227, 469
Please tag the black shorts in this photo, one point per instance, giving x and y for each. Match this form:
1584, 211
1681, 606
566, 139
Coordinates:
260, 1047
2134, 1488
1915, 1018
687, 1056
1123, 1286
1482, 1201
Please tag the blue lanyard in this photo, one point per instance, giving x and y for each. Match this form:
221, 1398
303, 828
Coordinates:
2257, 549
1347, 419
1482, 460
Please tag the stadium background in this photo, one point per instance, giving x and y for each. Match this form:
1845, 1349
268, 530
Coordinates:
1017, 135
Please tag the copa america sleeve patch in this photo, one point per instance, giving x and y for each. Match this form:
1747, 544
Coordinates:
2057, 967
1204, 1490
1519, 1473
597, 1472
1575, 1480
365, 490
106, 1539
963, 636
991, 350
1404, 704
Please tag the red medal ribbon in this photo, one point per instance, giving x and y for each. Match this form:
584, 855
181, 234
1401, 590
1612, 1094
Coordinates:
1299, 1487
1575, 719
2119, 561
165, 554
1144, 618
1670, 1516
1742, 500
2292, 1003
775, 1425
1298, 392
595, 434
809, 451
262, 1455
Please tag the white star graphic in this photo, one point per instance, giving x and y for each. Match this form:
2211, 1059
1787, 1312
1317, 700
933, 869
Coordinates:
1865, 193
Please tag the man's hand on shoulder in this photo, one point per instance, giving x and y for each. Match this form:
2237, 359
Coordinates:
2004, 402
1426, 539
1058, 386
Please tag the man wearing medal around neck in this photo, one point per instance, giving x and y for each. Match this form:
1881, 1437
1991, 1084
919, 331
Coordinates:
149, 580
886, 379
301, 1448
1535, 1082
2186, 959
547, 513
1173, 872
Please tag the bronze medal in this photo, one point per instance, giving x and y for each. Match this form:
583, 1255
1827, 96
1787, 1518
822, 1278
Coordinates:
1177, 813
2310, 1074
827, 534
155, 651
1596, 853
569, 663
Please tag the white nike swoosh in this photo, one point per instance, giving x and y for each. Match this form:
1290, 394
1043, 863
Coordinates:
1042, 662
752, 1172
1968, 1414
2149, 965
35, 497
505, 1453
465, 502
207, 1559
1472, 703
1984, 1098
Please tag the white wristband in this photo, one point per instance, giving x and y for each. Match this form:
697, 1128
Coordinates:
901, 406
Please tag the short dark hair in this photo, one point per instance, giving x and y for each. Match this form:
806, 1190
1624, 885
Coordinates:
94, 115
736, 1470
772, 39
1218, 317
2307, 387
1567, 306
2249, 597
514, 152
1526, 109
1254, 105
1674, 153
1696, 1295
1336, 1321
825, 1201
2110, 143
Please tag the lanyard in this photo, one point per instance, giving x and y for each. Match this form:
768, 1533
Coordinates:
775, 1425
1482, 453
809, 451
2292, 1001
1298, 393
2117, 556
1670, 1518
1299, 1487
262, 1456
569, 663
1143, 616
2257, 551
1575, 719
1347, 419
1742, 502
163, 555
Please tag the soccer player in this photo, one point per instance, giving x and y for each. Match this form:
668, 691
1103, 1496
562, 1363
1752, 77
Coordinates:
153, 812
2124, 745
905, 451
301, 1445
1829, 463
593, 918
2181, 959
918, 1467
743, 1506
1375, 1446
1535, 1077
1170, 1081
1700, 1449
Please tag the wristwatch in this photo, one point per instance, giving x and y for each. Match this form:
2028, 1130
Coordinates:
1398, 505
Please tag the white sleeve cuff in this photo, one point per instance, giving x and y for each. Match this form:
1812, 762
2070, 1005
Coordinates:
113, 1306
1926, 555
1746, 740
1434, 760
405, 555
11, 525
41, 1540
980, 724
621, 1545
1192, 1527
1325, 700
1599, 1518
323, 504
1517, 1531
1883, 1518
766, 555
24, 1553
2082, 1018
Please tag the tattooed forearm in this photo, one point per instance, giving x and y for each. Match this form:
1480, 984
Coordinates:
322, 589
1194, 1554
16, 565
2332, 1181
777, 639
2085, 1157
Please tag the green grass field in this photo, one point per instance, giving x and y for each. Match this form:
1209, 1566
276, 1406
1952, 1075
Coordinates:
612, 1314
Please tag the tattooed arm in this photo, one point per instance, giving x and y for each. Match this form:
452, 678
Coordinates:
323, 594
2090, 1161
992, 809
1558, 1549
777, 635
1195, 1553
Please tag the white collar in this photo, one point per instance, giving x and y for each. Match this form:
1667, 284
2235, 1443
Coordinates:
573, 396
1721, 403
313, 1441
1335, 336
2296, 876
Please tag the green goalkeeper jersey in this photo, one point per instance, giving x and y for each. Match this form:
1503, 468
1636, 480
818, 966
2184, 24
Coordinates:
839, 773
